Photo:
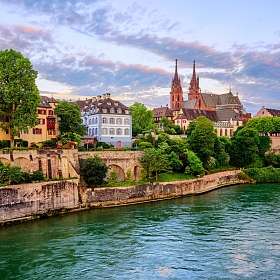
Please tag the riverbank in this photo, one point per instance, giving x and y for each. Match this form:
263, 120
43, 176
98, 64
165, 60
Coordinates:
32, 201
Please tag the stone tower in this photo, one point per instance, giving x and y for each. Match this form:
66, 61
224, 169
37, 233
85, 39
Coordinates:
176, 94
194, 90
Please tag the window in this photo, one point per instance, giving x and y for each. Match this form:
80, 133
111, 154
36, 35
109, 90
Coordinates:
42, 112
89, 121
119, 110
112, 131
126, 131
112, 110
119, 131
112, 121
96, 131
119, 121
50, 112
104, 120
126, 121
104, 131
89, 131
104, 110
126, 112
37, 131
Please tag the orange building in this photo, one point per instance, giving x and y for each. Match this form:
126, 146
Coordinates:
47, 127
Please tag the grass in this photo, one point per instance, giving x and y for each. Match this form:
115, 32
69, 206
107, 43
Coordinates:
169, 177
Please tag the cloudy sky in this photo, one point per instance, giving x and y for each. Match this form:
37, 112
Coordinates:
87, 47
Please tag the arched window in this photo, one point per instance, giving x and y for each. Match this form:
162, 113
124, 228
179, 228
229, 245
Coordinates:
104, 131
89, 121
112, 110
119, 131
104, 120
112, 121
89, 131
226, 132
96, 131
126, 121
119, 121
112, 131
126, 131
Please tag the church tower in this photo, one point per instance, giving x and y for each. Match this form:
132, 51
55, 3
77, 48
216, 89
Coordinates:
194, 90
176, 94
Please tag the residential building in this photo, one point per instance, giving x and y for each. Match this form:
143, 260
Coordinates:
107, 120
267, 112
225, 110
46, 128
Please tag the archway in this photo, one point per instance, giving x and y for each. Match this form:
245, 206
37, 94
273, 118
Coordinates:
4, 161
23, 163
118, 170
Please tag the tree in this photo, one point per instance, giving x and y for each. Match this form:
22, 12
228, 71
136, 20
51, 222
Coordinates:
169, 127
174, 162
220, 154
19, 95
153, 162
142, 118
70, 120
244, 148
202, 139
195, 166
94, 171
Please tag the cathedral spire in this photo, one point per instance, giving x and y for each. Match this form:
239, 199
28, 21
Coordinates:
176, 94
176, 76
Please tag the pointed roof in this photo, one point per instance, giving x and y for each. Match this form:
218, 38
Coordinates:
176, 78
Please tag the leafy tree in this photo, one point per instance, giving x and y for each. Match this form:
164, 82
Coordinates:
195, 166
264, 124
174, 162
244, 149
142, 118
264, 145
169, 127
94, 171
153, 162
70, 136
69, 115
19, 95
202, 139
221, 156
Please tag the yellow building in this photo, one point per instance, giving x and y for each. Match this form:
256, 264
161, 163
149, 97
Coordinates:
47, 127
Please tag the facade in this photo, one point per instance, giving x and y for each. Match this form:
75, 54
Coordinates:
267, 112
47, 127
225, 110
107, 120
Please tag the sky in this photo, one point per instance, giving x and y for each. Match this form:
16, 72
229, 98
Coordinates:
85, 48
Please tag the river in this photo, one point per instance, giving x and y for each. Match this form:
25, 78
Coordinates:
229, 233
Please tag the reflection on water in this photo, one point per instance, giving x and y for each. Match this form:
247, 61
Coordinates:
230, 233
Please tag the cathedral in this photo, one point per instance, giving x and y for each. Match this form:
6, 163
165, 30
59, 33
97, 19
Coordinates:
225, 110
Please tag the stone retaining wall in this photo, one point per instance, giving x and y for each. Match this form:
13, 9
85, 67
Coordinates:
29, 201
107, 197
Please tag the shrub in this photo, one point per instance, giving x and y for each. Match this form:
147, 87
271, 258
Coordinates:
272, 159
195, 166
16, 175
145, 145
37, 176
5, 144
264, 175
104, 145
49, 143
4, 174
94, 171
21, 143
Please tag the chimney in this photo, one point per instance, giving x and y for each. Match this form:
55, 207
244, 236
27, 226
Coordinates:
98, 97
108, 95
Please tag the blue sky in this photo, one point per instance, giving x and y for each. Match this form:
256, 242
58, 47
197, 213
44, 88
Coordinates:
85, 48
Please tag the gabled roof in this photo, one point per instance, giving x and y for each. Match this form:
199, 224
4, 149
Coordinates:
162, 112
273, 112
212, 100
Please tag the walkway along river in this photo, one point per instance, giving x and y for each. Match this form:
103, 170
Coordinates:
229, 233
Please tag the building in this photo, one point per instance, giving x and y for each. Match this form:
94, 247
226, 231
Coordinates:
225, 110
267, 112
275, 136
47, 127
107, 120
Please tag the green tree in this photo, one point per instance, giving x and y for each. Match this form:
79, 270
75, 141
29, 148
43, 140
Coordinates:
220, 154
94, 171
244, 148
19, 95
169, 127
142, 118
175, 162
70, 120
195, 166
153, 162
202, 139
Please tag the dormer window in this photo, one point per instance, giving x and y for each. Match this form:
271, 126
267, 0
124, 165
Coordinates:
119, 110
112, 110
104, 110
126, 112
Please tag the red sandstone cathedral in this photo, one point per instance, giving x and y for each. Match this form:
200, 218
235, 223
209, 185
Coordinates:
225, 110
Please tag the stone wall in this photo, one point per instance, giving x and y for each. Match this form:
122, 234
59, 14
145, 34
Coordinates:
106, 197
28, 201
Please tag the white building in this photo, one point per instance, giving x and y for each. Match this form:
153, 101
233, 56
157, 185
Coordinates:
107, 120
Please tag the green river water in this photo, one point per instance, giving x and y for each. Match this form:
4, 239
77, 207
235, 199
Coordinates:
230, 233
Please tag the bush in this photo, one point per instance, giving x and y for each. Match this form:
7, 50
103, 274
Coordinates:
94, 171
272, 160
4, 174
50, 144
145, 145
195, 166
264, 175
21, 143
37, 176
16, 175
104, 145
5, 144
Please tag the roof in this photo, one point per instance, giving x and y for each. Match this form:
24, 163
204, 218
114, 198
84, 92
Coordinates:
190, 104
45, 101
103, 104
212, 100
273, 112
227, 114
192, 114
162, 112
